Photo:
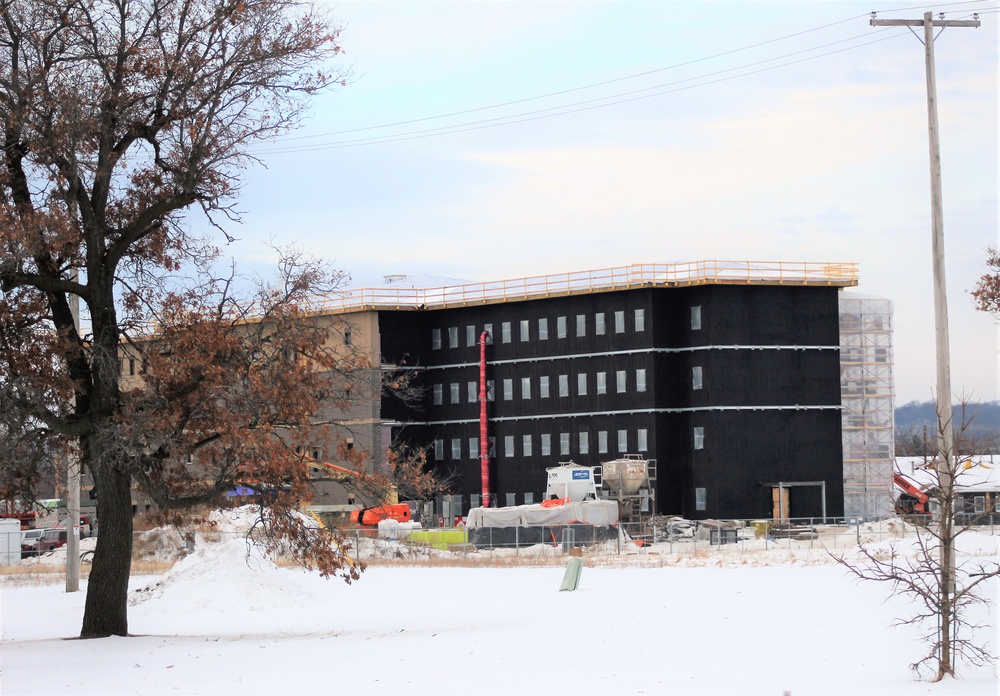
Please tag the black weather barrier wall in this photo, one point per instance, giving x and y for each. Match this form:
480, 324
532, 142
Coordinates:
517, 537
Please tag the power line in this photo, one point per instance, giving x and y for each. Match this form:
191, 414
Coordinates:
571, 108
603, 83
574, 89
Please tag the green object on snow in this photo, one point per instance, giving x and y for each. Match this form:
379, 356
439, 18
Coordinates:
439, 539
571, 579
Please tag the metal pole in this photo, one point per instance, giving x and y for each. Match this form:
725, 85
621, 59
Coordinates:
73, 478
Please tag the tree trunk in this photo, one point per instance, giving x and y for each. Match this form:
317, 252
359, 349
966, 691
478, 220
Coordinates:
106, 611
946, 590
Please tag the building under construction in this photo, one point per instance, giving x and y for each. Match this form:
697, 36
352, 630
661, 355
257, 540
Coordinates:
728, 374
867, 387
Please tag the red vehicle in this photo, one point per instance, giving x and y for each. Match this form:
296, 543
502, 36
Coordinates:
912, 500
51, 538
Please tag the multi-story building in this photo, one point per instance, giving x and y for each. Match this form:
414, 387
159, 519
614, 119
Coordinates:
726, 373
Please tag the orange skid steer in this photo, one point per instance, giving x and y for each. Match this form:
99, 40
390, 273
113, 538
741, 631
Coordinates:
370, 517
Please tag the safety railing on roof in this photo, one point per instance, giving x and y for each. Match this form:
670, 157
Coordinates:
600, 280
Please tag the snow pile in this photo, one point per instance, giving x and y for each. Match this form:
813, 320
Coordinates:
57, 557
971, 544
239, 520
232, 575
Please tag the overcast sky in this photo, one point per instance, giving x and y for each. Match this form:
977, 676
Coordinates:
788, 131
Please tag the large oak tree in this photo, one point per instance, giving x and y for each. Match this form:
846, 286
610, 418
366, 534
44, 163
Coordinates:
118, 117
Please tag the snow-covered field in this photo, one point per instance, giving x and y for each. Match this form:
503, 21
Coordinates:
739, 622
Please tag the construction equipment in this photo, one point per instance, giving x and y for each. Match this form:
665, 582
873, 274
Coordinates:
631, 480
370, 517
913, 500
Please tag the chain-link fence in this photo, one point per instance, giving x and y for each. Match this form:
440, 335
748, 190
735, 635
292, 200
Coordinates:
158, 549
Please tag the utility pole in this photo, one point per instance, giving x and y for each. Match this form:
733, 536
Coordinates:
946, 440
73, 480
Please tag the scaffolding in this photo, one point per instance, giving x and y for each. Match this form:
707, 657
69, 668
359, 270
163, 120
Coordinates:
867, 395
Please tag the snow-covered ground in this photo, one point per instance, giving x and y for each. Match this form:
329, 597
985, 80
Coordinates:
754, 621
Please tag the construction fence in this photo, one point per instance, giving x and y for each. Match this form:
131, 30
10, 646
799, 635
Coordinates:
704, 538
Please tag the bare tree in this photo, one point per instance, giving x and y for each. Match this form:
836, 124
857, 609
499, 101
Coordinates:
116, 117
943, 588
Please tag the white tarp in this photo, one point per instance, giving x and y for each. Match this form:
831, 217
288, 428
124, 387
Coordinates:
596, 512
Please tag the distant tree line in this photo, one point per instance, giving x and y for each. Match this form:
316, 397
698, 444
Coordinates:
916, 428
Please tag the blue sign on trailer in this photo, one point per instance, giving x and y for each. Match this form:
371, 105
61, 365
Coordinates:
581, 475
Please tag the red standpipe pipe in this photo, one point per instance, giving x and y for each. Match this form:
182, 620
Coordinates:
484, 443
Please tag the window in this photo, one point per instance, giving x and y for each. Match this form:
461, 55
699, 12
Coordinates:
438, 394
488, 328
508, 446
493, 447
454, 393
473, 392
473, 448
640, 380
623, 441
560, 327
543, 387
696, 381
563, 385
543, 329
641, 444
602, 441
699, 498
453, 337
529, 498
581, 384
546, 444
456, 448
347, 337
602, 382
526, 387
436, 339
699, 438
599, 324
131, 367
508, 389
526, 445
490, 393
696, 318
439, 449
581, 325
563, 443
470, 336
505, 332
620, 380
584, 443
525, 330
640, 320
